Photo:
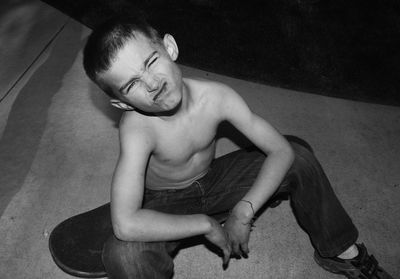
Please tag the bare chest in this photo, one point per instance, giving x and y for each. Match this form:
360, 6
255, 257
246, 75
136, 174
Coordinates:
177, 144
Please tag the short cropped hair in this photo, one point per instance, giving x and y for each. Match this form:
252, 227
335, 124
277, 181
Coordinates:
105, 42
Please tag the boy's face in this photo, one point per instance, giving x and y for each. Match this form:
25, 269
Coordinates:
145, 76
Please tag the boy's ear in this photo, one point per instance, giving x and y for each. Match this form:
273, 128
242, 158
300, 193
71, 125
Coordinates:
121, 105
171, 46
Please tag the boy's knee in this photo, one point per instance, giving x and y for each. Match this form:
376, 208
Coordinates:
305, 159
293, 140
124, 259
116, 253
115, 250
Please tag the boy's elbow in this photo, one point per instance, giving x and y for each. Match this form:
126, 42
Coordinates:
120, 232
291, 154
124, 232
288, 153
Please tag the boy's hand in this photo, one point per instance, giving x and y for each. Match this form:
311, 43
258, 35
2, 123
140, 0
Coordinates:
219, 237
238, 231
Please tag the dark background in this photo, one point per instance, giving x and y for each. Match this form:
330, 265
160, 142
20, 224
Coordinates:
347, 49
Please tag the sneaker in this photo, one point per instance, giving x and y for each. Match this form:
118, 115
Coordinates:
363, 266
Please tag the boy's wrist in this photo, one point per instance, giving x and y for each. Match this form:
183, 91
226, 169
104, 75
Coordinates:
209, 223
244, 211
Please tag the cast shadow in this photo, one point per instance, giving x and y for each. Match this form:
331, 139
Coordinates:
28, 116
227, 131
102, 102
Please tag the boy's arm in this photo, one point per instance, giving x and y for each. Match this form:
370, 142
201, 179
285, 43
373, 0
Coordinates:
278, 161
279, 152
130, 221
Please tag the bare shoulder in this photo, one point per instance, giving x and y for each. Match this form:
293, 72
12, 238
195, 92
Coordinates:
135, 128
220, 99
212, 92
208, 86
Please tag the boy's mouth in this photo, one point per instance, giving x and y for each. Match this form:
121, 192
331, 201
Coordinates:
161, 91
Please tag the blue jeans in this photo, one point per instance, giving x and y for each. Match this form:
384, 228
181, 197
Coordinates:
312, 199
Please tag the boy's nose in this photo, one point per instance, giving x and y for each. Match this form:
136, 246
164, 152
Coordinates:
151, 82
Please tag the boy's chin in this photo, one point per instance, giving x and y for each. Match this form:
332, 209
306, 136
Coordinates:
170, 109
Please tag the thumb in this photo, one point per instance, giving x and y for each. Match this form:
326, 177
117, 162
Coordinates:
226, 257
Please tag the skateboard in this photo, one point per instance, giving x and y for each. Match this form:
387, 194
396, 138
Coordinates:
76, 244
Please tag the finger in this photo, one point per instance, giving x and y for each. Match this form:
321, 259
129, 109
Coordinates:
236, 249
226, 257
245, 249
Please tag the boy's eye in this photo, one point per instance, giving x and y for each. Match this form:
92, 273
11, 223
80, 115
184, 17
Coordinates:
152, 61
132, 84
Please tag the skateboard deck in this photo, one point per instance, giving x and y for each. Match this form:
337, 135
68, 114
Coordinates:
76, 244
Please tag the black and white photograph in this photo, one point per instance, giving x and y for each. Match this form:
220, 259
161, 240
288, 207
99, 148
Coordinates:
200, 139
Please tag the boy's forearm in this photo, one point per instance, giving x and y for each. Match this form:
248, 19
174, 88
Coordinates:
269, 178
149, 225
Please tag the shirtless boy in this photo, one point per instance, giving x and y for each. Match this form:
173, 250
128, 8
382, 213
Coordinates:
167, 184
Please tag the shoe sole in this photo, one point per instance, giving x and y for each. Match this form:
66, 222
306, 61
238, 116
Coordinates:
330, 267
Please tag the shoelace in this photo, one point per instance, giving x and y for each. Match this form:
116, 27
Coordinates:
369, 268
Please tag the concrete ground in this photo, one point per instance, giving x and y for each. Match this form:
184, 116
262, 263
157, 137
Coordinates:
59, 146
